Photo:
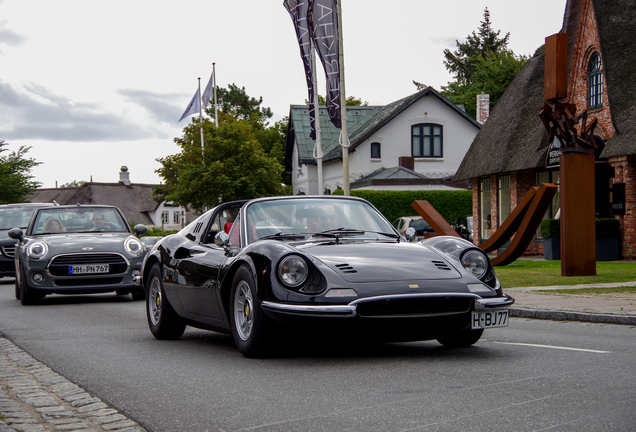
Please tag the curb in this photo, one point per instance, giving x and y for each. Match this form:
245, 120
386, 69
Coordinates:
563, 315
34, 398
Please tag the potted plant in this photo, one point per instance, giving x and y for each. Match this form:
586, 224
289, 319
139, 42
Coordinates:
607, 239
550, 230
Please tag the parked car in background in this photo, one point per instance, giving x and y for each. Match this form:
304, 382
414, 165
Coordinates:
422, 228
78, 249
150, 240
13, 216
325, 266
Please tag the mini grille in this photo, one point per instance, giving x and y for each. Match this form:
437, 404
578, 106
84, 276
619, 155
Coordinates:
89, 281
441, 265
414, 307
9, 251
346, 268
59, 265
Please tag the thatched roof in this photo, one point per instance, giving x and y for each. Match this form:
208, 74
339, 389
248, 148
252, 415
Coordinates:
134, 200
616, 21
514, 137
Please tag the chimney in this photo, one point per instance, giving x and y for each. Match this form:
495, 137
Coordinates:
124, 177
483, 108
407, 162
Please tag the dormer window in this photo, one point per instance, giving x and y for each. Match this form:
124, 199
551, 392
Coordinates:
595, 82
426, 140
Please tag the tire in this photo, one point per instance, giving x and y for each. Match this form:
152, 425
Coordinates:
163, 321
461, 339
250, 327
27, 297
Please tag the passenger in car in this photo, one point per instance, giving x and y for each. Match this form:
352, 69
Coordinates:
53, 225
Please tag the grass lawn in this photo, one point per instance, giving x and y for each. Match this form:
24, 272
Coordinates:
524, 273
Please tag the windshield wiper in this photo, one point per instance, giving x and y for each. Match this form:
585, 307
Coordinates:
283, 236
339, 232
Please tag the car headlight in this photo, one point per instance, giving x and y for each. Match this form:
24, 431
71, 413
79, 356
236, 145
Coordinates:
293, 271
134, 246
475, 262
37, 250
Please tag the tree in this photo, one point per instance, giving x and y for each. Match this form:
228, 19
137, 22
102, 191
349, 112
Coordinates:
482, 64
233, 165
15, 175
242, 158
350, 101
74, 183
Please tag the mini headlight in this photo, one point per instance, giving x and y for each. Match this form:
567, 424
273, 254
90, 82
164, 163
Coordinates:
293, 271
475, 262
37, 250
134, 246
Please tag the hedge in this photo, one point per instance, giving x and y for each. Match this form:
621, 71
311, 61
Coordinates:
450, 204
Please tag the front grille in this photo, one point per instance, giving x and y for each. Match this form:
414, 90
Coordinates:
9, 251
414, 306
89, 281
59, 265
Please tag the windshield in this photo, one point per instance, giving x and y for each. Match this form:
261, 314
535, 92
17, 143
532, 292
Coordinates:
79, 219
298, 219
16, 217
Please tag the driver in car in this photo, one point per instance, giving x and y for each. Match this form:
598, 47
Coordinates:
324, 219
99, 223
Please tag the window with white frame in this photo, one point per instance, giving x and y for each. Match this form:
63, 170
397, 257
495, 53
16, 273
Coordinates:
176, 217
484, 208
595, 82
503, 202
165, 217
376, 150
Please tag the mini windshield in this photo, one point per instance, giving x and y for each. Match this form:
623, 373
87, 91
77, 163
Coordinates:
79, 219
304, 218
15, 217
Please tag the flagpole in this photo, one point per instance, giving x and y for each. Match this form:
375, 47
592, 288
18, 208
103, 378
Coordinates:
344, 138
200, 116
318, 145
216, 112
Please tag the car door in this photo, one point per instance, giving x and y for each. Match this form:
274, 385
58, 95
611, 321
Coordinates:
200, 265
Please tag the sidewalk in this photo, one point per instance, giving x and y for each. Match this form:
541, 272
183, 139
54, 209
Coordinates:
33, 398
573, 307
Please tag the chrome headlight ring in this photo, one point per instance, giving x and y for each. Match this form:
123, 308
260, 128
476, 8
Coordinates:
293, 271
37, 250
134, 246
476, 262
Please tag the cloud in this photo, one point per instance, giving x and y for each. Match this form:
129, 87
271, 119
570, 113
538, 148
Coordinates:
33, 112
161, 107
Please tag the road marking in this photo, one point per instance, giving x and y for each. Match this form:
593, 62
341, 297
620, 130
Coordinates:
554, 347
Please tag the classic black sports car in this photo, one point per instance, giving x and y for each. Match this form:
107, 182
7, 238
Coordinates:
78, 249
317, 264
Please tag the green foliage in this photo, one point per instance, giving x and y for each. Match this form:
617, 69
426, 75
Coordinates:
351, 101
158, 232
74, 183
550, 228
242, 158
232, 166
605, 227
16, 179
482, 64
450, 204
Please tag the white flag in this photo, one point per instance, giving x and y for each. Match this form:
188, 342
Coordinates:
208, 92
193, 107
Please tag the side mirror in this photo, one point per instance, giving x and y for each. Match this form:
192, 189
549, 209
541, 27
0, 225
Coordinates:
16, 233
221, 238
140, 230
410, 233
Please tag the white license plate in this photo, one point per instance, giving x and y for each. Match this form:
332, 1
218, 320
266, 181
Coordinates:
88, 269
489, 319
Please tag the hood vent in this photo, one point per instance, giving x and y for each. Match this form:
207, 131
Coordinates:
346, 268
441, 265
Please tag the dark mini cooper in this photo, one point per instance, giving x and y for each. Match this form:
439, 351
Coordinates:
322, 265
79, 249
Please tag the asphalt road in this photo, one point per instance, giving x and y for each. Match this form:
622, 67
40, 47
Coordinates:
533, 375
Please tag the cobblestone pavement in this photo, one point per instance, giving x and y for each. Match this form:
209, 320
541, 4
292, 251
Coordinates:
34, 398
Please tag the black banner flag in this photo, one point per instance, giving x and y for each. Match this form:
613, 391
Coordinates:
299, 9
323, 25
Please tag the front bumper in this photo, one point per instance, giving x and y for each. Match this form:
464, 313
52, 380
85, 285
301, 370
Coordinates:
456, 303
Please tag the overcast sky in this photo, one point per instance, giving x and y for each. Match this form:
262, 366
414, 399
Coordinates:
93, 85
